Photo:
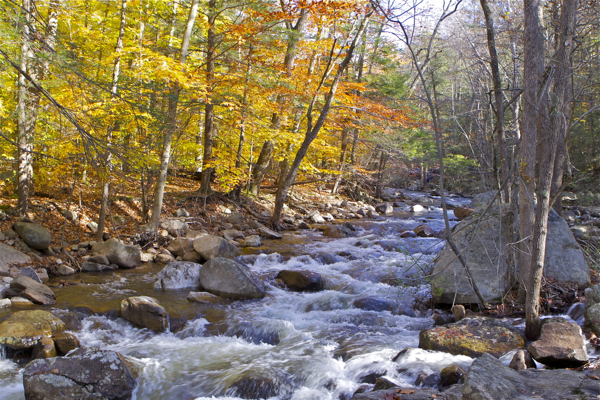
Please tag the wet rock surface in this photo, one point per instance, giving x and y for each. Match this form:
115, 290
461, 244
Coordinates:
472, 337
145, 312
210, 246
178, 275
302, 281
24, 329
228, 278
86, 374
560, 345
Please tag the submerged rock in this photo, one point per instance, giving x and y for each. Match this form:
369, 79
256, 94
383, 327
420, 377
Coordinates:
91, 374
145, 312
472, 337
203, 297
375, 304
560, 345
488, 378
23, 329
228, 278
302, 281
178, 275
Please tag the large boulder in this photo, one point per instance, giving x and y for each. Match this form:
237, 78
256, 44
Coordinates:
118, 253
178, 275
181, 246
10, 256
36, 236
472, 337
484, 247
488, 378
33, 290
592, 310
302, 281
145, 312
85, 374
23, 329
560, 345
336, 231
228, 278
210, 246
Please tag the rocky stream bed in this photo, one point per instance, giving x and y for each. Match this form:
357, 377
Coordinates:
354, 324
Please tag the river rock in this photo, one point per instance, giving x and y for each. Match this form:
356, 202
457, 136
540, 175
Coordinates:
32, 290
65, 270
302, 281
418, 208
193, 256
118, 253
384, 208
235, 218
85, 374
174, 225
252, 241
65, 342
463, 212
398, 392
451, 375
228, 278
95, 267
375, 304
317, 219
44, 348
472, 337
30, 273
181, 213
336, 231
488, 378
20, 301
164, 258
203, 297
36, 236
99, 259
5, 303
180, 246
211, 246
10, 256
487, 258
178, 275
145, 312
267, 233
424, 231
254, 388
23, 329
560, 345
522, 360
592, 310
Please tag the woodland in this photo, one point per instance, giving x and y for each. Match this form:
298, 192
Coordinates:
102, 100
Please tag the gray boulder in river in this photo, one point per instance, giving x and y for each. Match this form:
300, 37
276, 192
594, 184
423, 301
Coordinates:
178, 275
118, 253
228, 278
210, 246
145, 312
85, 374
485, 249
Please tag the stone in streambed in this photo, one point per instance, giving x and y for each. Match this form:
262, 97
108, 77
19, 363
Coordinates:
118, 253
202, 297
384, 208
85, 374
252, 241
472, 337
34, 235
32, 290
23, 329
463, 212
145, 312
302, 281
44, 348
178, 275
522, 360
560, 345
65, 342
375, 304
210, 246
180, 246
267, 233
228, 278
424, 231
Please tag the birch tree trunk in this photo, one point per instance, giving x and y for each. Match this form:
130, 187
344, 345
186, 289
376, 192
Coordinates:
113, 93
171, 126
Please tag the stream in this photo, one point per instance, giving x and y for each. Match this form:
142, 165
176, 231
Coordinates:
286, 346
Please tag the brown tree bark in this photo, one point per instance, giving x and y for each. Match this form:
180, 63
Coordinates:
209, 108
264, 159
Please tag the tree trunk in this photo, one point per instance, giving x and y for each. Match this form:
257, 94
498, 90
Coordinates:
28, 96
113, 94
313, 131
173, 101
209, 110
258, 173
498, 99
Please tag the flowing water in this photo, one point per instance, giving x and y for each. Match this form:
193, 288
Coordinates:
286, 346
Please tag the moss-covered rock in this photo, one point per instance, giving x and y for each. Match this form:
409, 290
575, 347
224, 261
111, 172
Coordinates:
472, 337
24, 329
